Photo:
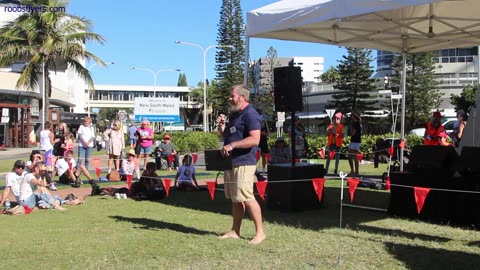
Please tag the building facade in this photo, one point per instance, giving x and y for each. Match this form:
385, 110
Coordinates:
454, 69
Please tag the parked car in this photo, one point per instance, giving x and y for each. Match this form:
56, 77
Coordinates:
448, 124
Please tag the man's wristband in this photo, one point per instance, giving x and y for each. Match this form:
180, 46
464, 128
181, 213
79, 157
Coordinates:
231, 145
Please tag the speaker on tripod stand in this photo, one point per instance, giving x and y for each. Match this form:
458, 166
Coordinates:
287, 83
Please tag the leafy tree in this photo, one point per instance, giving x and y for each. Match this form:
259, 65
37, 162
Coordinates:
466, 99
331, 75
44, 39
422, 93
229, 61
182, 80
355, 78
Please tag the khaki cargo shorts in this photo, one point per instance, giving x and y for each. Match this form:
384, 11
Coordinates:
239, 183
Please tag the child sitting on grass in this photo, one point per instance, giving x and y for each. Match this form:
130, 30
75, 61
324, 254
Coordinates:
186, 175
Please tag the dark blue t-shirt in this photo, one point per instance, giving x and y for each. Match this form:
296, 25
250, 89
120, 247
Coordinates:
239, 126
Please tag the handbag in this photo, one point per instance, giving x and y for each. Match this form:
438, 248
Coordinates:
138, 148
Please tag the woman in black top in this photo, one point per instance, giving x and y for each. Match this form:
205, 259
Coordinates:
355, 143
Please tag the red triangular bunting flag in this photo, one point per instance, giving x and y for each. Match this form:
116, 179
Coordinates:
420, 195
402, 144
360, 157
167, 183
352, 186
96, 162
268, 156
211, 188
332, 154
195, 158
318, 184
98, 171
390, 151
387, 183
261, 186
321, 153
129, 181
257, 155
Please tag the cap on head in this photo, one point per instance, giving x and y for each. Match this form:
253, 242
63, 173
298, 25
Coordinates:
437, 114
166, 136
131, 152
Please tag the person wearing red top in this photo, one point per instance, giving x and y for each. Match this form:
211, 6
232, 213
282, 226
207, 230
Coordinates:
335, 140
433, 129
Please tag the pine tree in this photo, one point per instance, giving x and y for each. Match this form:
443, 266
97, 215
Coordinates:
422, 93
355, 79
229, 61
182, 80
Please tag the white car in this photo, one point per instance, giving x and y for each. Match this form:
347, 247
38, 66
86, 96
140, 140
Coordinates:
448, 124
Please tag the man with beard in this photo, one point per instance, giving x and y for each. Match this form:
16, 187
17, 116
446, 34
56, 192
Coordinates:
241, 137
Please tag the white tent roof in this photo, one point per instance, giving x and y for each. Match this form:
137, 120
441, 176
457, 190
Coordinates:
424, 24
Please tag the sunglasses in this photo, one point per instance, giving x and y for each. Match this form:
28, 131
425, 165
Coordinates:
20, 167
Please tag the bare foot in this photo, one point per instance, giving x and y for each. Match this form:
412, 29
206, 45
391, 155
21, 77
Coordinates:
230, 234
257, 239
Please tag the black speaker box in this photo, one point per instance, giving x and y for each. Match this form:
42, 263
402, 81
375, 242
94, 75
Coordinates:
284, 193
435, 160
468, 164
287, 83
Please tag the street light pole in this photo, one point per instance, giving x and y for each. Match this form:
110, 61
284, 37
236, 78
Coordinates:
88, 88
155, 74
204, 50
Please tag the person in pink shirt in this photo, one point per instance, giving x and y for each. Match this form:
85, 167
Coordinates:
145, 138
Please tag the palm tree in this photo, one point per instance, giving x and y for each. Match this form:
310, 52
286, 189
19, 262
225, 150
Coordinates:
43, 39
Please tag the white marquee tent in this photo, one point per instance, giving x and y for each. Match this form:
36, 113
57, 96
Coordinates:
402, 26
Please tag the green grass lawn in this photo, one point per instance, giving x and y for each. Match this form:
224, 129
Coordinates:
181, 232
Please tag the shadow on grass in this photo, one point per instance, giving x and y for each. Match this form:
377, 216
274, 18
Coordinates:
399, 233
316, 219
415, 257
150, 224
474, 244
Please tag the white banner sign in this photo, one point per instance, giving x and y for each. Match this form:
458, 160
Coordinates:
157, 109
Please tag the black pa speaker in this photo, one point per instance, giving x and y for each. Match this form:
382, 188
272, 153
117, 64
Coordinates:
287, 83
437, 160
468, 164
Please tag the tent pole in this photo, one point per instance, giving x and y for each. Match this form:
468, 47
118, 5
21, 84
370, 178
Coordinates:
247, 49
404, 88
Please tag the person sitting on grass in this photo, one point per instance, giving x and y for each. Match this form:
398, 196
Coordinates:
33, 193
12, 181
186, 175
150, 186
65, 168
35, 157
128, 164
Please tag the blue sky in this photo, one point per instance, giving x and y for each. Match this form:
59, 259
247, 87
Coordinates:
142, 33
